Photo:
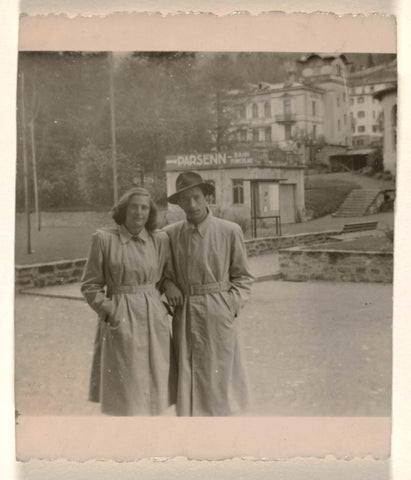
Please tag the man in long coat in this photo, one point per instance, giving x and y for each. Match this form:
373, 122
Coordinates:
211, 270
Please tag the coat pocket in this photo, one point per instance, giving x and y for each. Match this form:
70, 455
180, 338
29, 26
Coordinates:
112, 319
228, 300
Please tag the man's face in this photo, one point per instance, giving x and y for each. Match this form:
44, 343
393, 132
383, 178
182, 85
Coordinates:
194, 204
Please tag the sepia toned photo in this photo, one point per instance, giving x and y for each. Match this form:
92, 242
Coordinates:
205, 234
204, 243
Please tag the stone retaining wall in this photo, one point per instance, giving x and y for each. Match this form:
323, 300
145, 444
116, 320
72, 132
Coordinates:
258, 246
70, 271
51, 273
302, 264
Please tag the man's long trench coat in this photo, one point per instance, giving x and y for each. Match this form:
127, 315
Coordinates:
210, 266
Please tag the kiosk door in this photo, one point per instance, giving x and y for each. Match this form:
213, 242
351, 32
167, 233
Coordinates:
287, 203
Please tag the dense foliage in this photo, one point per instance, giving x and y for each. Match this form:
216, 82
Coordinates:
164, 103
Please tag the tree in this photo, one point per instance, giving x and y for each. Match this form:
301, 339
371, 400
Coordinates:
308, 145
217, 74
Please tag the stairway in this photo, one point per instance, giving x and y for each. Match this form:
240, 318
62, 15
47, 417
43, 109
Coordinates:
357, 203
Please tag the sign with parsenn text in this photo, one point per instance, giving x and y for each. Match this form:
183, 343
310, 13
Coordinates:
208, 160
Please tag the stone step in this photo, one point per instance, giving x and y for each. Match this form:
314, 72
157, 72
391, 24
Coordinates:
357, 203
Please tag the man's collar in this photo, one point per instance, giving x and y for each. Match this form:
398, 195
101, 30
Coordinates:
201, 227
126, 236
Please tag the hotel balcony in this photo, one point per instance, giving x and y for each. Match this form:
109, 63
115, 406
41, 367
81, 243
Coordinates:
287, 118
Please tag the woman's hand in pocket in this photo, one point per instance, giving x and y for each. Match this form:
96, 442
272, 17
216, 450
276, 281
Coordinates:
110, 314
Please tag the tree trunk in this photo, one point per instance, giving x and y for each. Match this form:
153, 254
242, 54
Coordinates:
33, 159
25, 168
219, 137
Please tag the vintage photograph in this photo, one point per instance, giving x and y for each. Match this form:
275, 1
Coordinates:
204, 234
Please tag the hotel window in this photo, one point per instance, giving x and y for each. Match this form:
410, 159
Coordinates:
338, 101
242, 111
372, 89
238, 191
288, 132
360, 100
339, 70
255, 134
361, 114
267, 110
287, 105
352, 101
344, 97
267, 134
211, 200
375, 128
314, 131
361, 129
313, 106
339, 124
255, 110
243, 135
345, 119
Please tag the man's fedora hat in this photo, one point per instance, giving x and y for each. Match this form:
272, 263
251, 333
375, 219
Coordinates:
187, 180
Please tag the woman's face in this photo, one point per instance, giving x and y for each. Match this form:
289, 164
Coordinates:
137, 213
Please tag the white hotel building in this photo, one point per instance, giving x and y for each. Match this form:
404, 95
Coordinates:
315, 107
366, 110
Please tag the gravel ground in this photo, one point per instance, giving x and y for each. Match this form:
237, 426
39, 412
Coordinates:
313, 348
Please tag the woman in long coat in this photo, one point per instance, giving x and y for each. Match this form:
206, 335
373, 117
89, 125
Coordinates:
131, 369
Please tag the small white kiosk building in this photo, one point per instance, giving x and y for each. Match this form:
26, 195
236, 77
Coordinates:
248, 184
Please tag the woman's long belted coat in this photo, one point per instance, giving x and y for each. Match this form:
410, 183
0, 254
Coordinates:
210, 267
131, 363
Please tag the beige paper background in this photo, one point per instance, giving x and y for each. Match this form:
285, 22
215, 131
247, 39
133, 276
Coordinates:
217, 7
280, 33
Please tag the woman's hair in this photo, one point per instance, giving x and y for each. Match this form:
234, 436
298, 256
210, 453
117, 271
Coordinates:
118, 212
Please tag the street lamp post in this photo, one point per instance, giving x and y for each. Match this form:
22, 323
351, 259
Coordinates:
113, 130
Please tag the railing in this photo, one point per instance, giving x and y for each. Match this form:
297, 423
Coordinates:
286, 118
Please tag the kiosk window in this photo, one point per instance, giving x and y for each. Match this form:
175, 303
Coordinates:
238, 191
211, 200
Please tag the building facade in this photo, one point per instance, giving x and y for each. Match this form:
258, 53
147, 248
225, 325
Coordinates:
298, 115
366, 111
322, 109
388, 100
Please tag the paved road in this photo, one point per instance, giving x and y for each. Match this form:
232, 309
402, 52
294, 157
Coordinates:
313, 348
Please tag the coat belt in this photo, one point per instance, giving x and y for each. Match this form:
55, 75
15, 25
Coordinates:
116, 289
208, 288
